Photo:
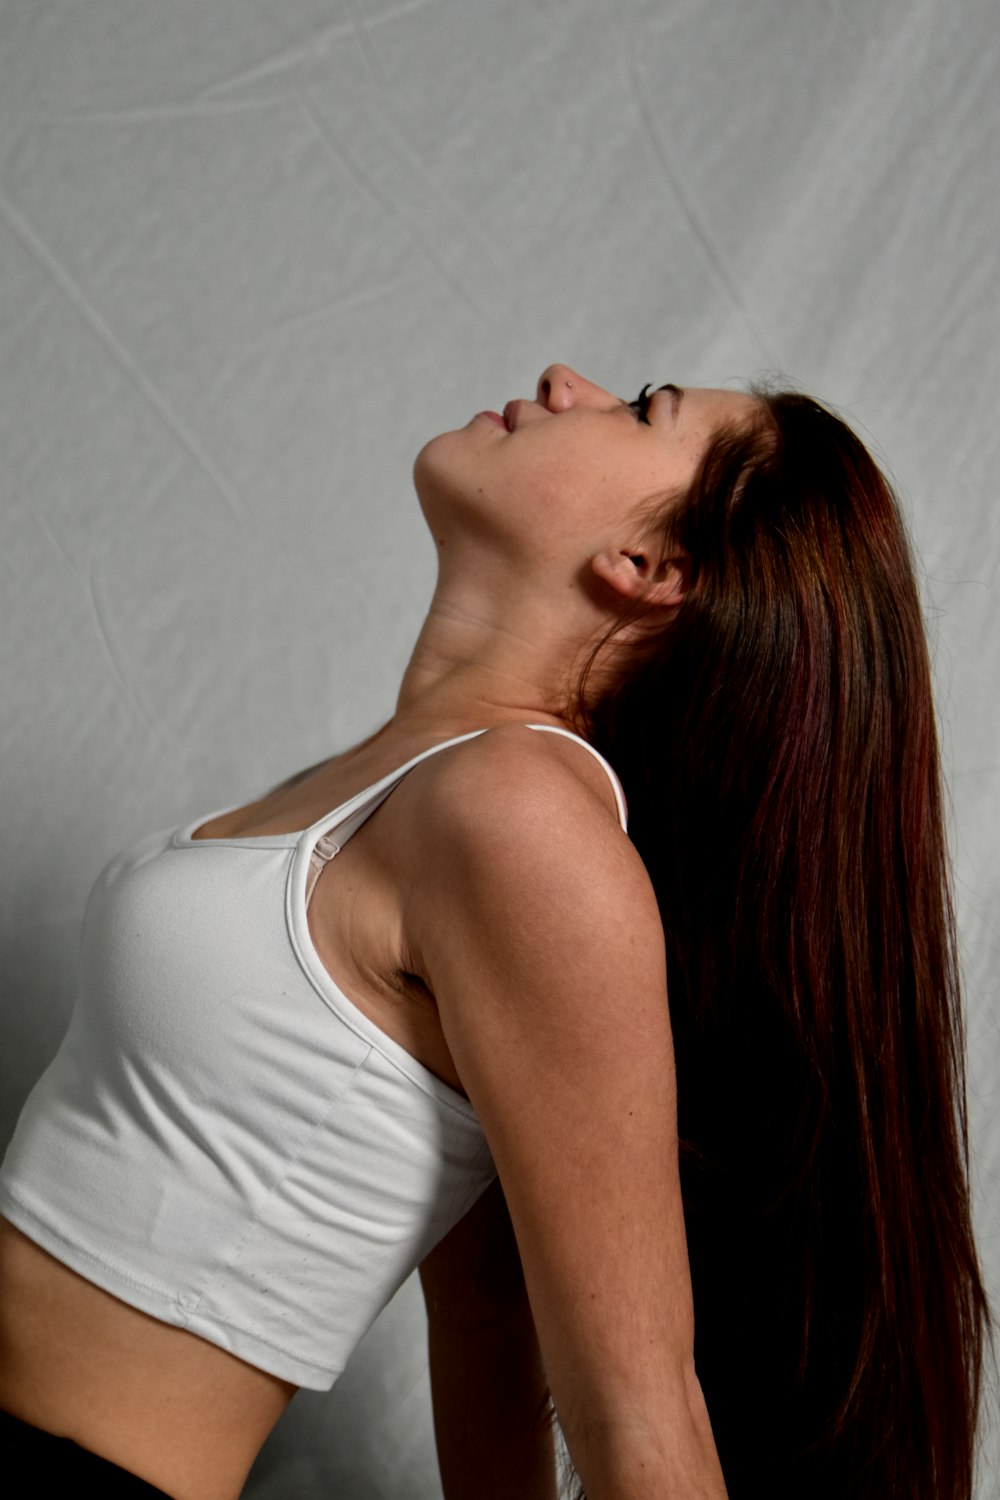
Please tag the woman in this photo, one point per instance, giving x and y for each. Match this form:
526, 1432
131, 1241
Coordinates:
285, 1068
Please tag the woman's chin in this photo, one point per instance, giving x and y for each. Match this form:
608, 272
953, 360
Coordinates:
438, 467
427, 462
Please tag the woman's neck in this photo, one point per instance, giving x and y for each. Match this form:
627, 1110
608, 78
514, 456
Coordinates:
467, 672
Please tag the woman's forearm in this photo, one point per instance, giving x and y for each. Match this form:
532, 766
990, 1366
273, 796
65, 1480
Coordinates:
495, 1440
491, 1410
671, 1456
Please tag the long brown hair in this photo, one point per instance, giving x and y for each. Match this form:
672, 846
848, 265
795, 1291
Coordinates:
778, 750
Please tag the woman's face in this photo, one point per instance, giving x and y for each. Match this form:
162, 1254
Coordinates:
570, 468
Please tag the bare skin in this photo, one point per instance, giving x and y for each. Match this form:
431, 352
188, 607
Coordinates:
510, 624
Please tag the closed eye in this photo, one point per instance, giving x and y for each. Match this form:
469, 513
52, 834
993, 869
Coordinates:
641, 405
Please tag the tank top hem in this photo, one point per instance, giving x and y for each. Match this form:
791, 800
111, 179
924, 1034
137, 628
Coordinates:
162, 1304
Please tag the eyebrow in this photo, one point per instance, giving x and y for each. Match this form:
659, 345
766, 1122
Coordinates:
676, 396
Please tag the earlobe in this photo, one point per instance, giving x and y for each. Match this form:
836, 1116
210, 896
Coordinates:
634, 576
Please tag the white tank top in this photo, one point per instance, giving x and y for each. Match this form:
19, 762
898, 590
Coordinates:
223, 1140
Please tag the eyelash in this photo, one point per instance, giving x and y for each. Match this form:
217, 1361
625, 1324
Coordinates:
641, 406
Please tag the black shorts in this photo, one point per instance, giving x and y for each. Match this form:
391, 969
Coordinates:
36, 1462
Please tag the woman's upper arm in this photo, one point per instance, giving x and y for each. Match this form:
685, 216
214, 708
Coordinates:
535, 927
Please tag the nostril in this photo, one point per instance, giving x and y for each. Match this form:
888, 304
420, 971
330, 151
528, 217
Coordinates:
550, 384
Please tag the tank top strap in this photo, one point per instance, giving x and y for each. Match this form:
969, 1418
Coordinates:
344, 821
336, 827
616, 785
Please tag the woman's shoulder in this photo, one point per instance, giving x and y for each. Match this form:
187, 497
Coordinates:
514, 774
517, 816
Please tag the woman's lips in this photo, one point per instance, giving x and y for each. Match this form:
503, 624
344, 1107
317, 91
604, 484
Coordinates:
495, 416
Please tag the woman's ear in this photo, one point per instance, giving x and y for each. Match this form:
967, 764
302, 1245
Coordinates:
635, 576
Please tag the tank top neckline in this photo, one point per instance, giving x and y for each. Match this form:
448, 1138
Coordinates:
330, 820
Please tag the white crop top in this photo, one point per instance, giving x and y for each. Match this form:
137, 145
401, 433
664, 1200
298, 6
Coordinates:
223, 1140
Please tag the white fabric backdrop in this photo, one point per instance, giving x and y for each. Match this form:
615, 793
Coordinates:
254, 252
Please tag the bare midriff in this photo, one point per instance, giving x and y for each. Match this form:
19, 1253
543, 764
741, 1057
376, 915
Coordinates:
167, 1405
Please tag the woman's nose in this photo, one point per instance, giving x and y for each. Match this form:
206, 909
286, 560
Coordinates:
560, 387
